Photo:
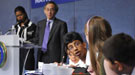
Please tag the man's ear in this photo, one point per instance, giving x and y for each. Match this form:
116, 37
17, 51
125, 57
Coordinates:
84, 44
68, 51
44, 11
118, 65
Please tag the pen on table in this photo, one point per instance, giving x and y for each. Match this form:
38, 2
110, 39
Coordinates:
62, 60
77, 65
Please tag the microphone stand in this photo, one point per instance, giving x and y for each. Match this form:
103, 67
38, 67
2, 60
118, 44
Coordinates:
29, 46
26, 57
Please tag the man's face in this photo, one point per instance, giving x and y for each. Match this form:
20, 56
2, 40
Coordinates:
109, 64
20, 16
49, 11
116, 67
78, 48
72, 56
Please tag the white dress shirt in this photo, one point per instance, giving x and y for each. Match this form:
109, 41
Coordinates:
87, 61
51, 24
80, 63
133, 72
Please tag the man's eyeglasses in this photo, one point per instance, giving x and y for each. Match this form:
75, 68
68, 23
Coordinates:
74, 44
51, 9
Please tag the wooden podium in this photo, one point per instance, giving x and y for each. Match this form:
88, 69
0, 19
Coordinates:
11, 66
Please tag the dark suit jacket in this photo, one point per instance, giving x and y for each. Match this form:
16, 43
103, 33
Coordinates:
55, 46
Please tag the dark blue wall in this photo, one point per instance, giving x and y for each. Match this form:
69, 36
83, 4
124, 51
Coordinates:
120, 13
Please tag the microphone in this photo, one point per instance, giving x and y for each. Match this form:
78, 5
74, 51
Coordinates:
13, 26
16, 24
12, 29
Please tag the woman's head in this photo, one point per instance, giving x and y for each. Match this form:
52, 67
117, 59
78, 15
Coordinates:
97, 30
21, 14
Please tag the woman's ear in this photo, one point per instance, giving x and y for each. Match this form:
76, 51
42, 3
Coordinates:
119, 65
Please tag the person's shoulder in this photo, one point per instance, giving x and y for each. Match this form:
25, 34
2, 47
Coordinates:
59, 20
43, 20
33, 24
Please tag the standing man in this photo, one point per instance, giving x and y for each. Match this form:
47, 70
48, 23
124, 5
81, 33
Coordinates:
25, 29
50, 32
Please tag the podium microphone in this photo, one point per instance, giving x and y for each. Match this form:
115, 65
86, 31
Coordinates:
12, 28
16, 24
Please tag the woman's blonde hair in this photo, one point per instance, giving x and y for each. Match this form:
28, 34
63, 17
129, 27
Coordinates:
98, 30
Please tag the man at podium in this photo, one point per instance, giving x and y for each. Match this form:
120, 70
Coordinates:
26, 30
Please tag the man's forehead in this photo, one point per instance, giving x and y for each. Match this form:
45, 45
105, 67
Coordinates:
50, 4
74, 41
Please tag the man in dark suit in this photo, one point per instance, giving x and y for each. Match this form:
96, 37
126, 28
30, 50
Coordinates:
52, 48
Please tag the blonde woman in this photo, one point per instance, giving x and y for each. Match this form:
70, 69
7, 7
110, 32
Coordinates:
97, 30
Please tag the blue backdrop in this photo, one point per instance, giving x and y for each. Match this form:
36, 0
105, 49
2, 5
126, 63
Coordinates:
120, 13
41, 3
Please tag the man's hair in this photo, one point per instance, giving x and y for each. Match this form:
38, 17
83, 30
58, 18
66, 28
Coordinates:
120, 47
72, 36
20, 8
52, 2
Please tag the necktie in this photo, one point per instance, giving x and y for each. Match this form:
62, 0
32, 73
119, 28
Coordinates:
46, 36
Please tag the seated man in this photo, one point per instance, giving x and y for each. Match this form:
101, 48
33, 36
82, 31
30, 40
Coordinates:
119, 52
75, 45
